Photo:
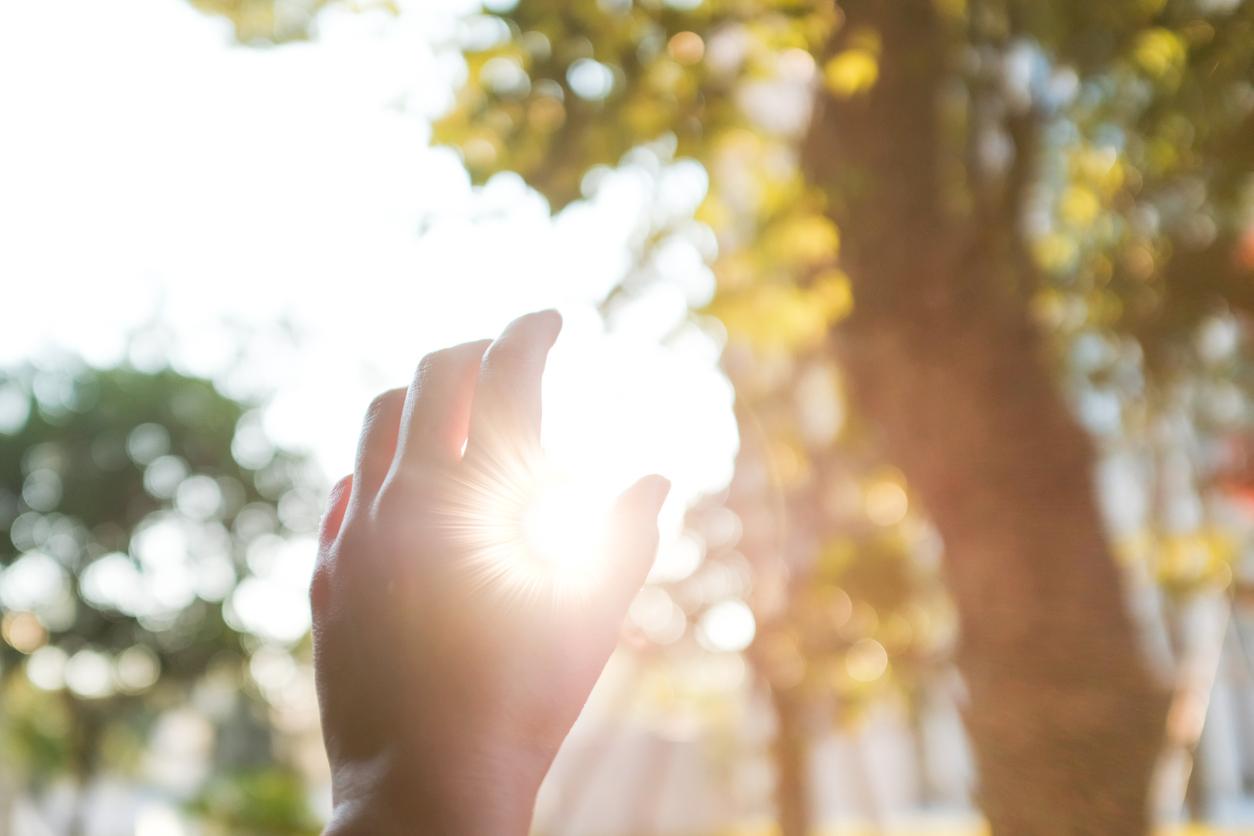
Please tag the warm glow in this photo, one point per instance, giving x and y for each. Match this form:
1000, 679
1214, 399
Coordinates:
534, 530
564, 528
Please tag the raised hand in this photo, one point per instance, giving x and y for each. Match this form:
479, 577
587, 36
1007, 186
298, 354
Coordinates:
451, 659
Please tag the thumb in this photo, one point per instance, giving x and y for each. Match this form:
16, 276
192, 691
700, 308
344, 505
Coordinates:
632, 541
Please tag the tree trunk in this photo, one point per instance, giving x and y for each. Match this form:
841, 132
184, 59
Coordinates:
942, 358
791, 755
86, 731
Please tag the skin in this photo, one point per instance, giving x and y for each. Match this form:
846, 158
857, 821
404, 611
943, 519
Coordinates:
446, 693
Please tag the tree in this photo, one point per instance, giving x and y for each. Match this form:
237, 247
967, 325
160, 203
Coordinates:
967, 188
131, 502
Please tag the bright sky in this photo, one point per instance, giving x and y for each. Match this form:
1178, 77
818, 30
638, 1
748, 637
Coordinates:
150, 166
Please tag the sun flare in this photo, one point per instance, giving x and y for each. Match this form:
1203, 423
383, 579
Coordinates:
564, 527
536, 530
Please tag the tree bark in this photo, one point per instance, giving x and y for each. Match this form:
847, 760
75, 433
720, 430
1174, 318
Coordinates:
86, 731
792, 760
942, 357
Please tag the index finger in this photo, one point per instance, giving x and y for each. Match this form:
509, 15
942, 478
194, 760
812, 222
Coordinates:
506, 413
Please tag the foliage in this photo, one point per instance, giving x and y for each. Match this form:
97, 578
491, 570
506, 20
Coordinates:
1080, 168
268, 21
1140, 146
133, 504
266, 802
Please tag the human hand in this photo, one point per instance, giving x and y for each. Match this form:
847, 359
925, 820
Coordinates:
450, 664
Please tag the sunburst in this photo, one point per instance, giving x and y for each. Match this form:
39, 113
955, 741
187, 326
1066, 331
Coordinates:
531, 529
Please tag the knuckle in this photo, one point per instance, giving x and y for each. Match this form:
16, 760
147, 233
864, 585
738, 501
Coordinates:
427, 365
428, 369
448, 361
391, 500
433, 361
383, 403
383, 409
320, 586
377, 404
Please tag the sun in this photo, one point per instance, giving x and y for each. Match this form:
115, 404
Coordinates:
564, 527
536, 530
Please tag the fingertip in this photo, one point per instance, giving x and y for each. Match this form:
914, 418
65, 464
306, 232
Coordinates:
550, 319
649, 493
539, 327
635, 537
660, 488
507, 408
377, 444
635, 519
437, 412
342, 486
337, 503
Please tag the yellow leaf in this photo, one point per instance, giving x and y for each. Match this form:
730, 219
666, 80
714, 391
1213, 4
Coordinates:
956, 9
1054, 251
1079, 206
804, 240
851, 72
773, 316
834, 295
1160, 52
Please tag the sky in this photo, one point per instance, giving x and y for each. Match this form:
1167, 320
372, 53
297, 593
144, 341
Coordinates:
151, 170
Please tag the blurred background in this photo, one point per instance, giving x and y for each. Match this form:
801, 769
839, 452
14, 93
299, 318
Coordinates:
912, 302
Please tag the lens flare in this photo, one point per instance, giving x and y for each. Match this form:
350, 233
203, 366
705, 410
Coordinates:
533, 530
564, 527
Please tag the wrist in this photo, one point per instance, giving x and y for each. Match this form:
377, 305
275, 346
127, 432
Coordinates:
489, 796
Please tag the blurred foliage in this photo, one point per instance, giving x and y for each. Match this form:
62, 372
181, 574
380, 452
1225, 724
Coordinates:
1142, 147
132, 503
265, 20
267, 802
1113, 143
279, 21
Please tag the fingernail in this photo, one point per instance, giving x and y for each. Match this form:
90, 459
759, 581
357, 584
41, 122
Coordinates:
552, 319
537, 325
657, 488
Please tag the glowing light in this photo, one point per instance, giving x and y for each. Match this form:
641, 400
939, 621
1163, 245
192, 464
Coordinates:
686, 47
32, 580
866, 661
136, 669
23, 631
534, 530
564, 527
886, 502
14, 408
46, 668
657, 616
678, 559
729, 627
89, 674
156, 820
590, 79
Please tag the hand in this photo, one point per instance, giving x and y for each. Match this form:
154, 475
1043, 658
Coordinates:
448, 678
